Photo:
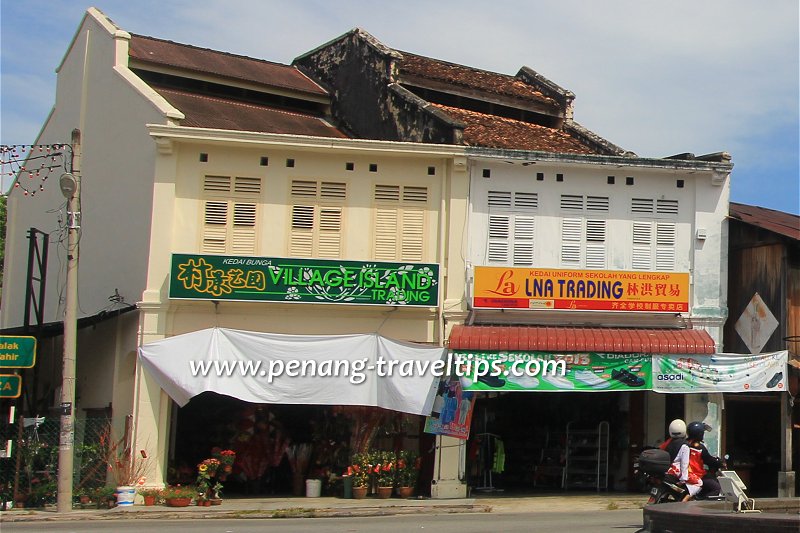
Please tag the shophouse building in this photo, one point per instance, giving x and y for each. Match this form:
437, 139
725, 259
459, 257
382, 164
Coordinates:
357, 157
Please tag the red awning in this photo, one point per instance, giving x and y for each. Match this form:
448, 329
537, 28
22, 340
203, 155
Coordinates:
554, 339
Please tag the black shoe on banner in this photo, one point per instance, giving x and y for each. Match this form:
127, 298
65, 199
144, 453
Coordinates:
626, 377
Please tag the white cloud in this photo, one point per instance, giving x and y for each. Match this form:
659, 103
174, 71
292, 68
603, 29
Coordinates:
654, 77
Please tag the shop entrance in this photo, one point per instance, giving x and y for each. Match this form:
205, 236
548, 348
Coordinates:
279, 446
752, 430
530, 442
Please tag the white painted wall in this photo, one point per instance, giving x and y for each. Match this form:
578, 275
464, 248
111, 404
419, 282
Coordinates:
117, 183
701, 205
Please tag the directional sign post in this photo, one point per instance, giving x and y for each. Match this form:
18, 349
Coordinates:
10, 385
17, 352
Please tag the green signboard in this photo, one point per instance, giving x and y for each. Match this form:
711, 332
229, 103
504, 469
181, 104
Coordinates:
17, 352
548, 371
10, 386
216, 277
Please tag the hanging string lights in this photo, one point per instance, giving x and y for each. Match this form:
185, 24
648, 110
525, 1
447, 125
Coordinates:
29, 165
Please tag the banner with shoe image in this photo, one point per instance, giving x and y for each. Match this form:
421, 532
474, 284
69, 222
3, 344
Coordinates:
720, 373
553, 372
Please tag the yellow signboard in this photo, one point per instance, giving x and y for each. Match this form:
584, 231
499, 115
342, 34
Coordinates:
580, 290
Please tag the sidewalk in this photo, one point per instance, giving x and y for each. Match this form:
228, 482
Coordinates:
336, 507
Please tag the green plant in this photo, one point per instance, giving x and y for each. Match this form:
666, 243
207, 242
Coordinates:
149, 491
179, 491
102, 494
384, 467
408, 464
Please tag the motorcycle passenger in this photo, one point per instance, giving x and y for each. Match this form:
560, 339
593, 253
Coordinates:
692, 460
677, 436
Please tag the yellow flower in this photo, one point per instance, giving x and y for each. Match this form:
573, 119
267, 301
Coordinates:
203, 468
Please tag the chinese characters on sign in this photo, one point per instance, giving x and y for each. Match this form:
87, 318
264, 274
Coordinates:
583, 290
213, 277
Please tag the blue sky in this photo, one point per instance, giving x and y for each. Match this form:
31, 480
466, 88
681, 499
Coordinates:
657, 78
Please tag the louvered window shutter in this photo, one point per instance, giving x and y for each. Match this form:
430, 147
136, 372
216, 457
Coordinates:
301, 243
642, 245
316, 226
229, 223
596, 244
399, 222
499, 233
665, 246
330, 232
571, 237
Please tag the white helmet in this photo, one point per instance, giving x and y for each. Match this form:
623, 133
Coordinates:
677, 429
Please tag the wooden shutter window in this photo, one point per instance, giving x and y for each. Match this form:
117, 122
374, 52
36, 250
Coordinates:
330, 190
399, 222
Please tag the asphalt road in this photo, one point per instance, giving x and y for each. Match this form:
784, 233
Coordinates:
582, 521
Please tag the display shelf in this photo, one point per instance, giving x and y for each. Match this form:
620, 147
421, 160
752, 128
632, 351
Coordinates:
586, 457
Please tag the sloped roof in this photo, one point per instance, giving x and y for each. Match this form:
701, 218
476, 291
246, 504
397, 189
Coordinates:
778, 222
237, 67
469, 77
203, 111
491, 131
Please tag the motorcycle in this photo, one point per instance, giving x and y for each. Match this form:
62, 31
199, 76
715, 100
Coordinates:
664, 488
653, 464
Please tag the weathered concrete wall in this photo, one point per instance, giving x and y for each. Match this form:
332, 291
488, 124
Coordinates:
360, 74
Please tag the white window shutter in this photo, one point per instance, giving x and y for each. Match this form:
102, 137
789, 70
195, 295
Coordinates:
665, 246
596, 244
523, 240
571, 237
499, 233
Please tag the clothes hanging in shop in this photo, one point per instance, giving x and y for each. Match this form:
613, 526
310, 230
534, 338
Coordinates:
499, 460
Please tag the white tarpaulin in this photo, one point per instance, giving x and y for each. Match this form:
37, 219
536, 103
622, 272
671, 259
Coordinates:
296, 369
720, 373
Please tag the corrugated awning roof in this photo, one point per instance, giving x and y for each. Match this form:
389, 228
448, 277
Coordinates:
555, 339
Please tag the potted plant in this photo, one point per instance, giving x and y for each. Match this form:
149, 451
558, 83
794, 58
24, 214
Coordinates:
359, 471
408, 464
150, 495
385, 469
178, 495
126, 467
105, 497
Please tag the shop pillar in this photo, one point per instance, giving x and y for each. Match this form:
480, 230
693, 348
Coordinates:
449, 463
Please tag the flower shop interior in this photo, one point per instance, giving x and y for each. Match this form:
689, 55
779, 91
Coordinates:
520, 443
279, 446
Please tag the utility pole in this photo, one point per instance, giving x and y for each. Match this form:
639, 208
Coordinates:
71, 189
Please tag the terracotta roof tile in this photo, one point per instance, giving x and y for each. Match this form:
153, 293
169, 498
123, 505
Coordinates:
218, 113
498, 132
468, 77
778, 222
576, 339
203, 60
